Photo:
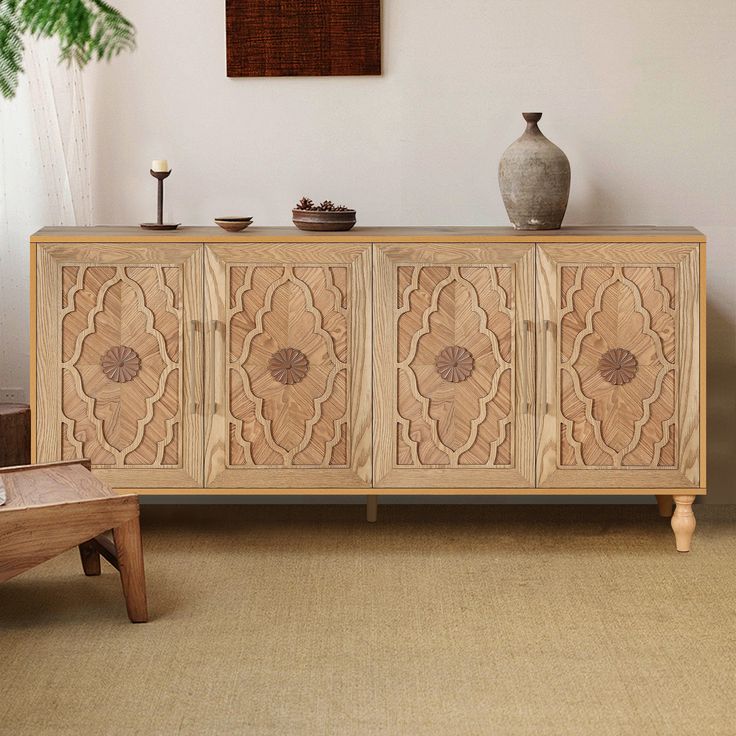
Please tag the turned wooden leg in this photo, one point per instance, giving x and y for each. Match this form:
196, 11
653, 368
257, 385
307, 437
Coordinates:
371, 508
683, 522
665, 506
90, 558
130, 560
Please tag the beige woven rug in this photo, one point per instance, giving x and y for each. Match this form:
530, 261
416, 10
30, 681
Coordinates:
436, 620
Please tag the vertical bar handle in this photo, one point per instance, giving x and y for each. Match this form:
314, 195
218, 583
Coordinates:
549, 328
528, 406
193, 392
212, 377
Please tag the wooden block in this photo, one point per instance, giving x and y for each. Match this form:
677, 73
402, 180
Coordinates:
15, 434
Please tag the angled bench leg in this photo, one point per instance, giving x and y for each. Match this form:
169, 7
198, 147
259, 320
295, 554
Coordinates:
127, 538
90, 558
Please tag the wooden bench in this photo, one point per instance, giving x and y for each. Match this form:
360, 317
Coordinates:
53, 507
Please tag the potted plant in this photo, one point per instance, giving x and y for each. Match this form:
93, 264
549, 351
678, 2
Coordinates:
325, 216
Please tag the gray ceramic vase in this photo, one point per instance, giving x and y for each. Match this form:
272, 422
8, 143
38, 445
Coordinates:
534, 176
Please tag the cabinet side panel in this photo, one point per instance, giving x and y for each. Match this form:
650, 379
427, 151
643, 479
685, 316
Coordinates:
703, 306
689, 367
48, 347
33, 347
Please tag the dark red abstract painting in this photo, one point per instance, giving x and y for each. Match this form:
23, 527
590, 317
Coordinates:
282, 38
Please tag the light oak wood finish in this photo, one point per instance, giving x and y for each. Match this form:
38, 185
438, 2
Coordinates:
596, 298
683, 522
32, 333
598, 334
146, 430
306, 427
414, 491
255, 234
53, 507
477, 431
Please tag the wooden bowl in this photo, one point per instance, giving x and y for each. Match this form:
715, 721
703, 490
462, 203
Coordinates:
319, 220
233, 224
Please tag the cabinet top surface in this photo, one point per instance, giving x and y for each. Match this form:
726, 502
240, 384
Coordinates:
607, 234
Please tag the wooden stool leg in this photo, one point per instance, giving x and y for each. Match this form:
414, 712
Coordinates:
371, 508
665, 506
90, 558
130, 560
683, 522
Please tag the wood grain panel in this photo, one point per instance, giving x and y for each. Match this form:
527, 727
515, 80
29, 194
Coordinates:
473, 428
609, 422
269, 302
119, 300
256, 234
421, 491
294, 38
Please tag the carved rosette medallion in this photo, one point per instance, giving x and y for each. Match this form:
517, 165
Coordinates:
454, 363
288, 366
618, 366
121, 364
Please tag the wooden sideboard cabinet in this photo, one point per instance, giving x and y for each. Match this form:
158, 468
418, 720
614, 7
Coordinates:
381, 360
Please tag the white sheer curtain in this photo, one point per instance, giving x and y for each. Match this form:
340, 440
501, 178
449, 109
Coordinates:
44, 180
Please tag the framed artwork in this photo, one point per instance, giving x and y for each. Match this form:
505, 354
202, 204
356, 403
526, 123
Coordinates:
286, 38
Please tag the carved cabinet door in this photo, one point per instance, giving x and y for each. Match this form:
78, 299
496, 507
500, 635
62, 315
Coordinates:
288, 365
454, 370
119, 360
618, 337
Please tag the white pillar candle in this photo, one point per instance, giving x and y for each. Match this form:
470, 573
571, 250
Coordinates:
160, 165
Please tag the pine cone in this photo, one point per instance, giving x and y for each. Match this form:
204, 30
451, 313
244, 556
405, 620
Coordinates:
327, 206
341, 208
305, 204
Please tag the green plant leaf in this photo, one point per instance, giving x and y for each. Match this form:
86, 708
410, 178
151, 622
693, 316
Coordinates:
11, 49
86, 30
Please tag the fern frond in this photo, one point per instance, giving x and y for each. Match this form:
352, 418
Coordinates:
86, 30
11, 49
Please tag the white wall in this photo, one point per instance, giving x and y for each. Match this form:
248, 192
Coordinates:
640, 95
22, 208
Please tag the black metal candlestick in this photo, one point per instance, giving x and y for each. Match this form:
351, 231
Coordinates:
160, 224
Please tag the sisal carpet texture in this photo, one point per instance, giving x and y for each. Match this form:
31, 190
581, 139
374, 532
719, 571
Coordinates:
436, 620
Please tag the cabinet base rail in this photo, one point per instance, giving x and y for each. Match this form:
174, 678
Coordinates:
682, 519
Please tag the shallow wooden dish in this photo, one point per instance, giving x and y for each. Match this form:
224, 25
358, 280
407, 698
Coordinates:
233, 224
